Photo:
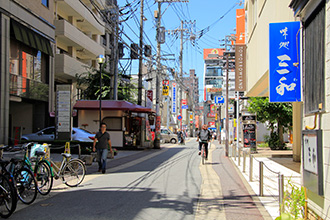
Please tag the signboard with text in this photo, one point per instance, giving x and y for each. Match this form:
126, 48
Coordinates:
173, 98
63, 112
284, 62
240, 70
166, 87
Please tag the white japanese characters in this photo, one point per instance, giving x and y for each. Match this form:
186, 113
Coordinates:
283, 65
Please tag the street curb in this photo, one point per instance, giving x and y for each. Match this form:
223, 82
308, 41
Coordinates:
254, 197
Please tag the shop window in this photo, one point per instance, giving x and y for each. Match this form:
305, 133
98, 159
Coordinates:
113, 123
14, 58
314, 61
27, 65
37, 67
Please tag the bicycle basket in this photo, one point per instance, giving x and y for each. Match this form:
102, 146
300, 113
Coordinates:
40, 147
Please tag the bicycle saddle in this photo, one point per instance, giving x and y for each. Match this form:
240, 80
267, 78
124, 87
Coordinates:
40, 153
66, 155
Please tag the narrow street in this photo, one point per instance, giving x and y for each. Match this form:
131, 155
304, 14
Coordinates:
169, 183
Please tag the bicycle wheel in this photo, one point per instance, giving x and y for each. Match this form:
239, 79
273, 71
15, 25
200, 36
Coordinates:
8, 197
26, 185
74, 172
44, 177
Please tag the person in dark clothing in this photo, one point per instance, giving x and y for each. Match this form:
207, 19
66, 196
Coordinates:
101, 143
179, 134
204, 137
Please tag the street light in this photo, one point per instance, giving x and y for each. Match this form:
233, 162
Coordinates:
100, 59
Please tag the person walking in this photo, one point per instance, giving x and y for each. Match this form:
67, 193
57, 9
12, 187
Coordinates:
179, 134
101, 143
204, 137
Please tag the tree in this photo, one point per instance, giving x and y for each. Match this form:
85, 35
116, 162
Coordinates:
89, 82
277, 115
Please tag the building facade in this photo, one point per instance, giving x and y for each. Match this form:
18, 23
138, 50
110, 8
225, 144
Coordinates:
79, 27
315, 21
27, 67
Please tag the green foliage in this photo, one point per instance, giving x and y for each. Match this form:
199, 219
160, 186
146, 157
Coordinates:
273, 141
89, 82
293, 205
277, 115
263, 145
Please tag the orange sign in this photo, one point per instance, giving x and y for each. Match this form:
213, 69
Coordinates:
214, 90
208, 51
240, 26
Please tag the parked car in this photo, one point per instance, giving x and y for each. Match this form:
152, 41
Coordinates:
168, 136
48, 134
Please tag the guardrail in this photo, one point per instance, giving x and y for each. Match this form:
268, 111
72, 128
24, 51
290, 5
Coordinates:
241, 153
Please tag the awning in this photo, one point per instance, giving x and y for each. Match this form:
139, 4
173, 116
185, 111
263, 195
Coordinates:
31, 38
260, 88
111, 105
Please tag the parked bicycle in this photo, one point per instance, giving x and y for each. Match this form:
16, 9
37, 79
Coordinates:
72, 170
8, 196
22, 178
41, 168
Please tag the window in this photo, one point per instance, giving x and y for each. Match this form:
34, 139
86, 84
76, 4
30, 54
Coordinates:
113, 123
27, 65
14, 59
27, 62
213, 71
314, 61
164, 131
49, 131
45, 3
104, 39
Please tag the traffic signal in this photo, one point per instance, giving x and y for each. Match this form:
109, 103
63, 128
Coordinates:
147, 50
134, 51
120, 50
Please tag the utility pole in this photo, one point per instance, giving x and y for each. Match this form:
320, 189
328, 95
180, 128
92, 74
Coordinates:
116, 57
140, 55
227, 104
181, 69
157, 127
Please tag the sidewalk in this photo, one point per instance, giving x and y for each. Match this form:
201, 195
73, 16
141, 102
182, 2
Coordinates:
273, 167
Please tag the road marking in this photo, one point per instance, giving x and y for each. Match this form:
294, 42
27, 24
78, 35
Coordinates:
210, 203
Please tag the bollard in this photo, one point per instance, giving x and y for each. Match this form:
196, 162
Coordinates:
234, 150
239, 156
261, 178
251, 168
244, 161
281, 191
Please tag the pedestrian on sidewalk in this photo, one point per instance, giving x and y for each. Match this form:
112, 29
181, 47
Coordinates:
180, 136
204, 137
101, 143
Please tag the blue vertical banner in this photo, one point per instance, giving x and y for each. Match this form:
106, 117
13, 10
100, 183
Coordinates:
173, 98
284, 62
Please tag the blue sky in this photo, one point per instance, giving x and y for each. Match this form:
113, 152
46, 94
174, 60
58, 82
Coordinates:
205, 12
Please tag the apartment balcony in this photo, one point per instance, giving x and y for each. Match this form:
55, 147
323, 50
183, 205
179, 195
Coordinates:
28, 88
66, 67
69, 35
84, 15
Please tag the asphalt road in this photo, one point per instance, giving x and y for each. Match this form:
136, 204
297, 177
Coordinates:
164, 184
